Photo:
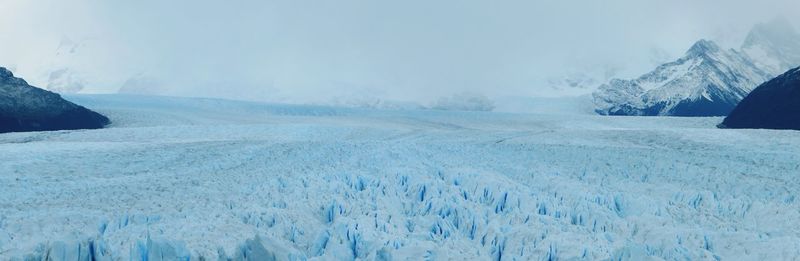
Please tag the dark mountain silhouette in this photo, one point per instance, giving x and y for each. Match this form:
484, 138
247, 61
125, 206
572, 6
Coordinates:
773, 105
27, 108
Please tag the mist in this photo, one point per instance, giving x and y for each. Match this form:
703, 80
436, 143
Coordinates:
317, 51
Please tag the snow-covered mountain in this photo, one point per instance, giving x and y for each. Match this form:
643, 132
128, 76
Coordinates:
59, 72
573, 81
773, 46
27, 108
582, 79
706, 81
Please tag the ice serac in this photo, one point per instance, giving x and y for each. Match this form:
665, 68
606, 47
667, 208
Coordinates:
773, 105
26, 108
706, 81
773, 46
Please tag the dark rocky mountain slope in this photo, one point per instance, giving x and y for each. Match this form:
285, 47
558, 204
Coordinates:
27, 108
773, 105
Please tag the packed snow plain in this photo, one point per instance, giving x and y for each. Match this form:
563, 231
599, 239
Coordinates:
203, 179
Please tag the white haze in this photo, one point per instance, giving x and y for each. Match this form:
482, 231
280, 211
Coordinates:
316, 51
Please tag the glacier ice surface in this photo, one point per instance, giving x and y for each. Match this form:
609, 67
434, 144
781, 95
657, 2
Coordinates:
202, 179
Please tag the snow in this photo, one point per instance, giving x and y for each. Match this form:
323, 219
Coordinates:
761, 57
182, 178
704, 68
576, 105
773, 46
464, 102
706, 73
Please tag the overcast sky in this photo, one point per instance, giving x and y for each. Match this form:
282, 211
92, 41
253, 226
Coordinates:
300, 50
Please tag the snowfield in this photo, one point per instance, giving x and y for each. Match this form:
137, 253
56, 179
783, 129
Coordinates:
201, 179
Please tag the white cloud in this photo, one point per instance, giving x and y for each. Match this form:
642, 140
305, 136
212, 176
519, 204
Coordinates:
404, 50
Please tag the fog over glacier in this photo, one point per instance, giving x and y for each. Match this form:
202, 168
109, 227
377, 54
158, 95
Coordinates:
399, 130
296, 51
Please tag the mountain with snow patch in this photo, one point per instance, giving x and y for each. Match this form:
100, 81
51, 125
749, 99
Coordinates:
773, 46
707, 80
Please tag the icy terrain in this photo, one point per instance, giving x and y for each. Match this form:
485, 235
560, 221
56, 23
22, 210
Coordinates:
178, 179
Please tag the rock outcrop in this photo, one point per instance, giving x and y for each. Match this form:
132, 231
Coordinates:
26, 108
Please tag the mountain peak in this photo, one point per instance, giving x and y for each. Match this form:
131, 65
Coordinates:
703, 46
5, 73
773, 46
776, 31
6, 76
708, 81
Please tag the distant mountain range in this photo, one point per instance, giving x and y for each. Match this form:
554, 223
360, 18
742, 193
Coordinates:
27, 108
707, 80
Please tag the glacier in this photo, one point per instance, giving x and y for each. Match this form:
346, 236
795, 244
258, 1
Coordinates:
206, 179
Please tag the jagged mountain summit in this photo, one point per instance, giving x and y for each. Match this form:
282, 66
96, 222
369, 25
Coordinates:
26, 108
773, 105
773, 46
706, 81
